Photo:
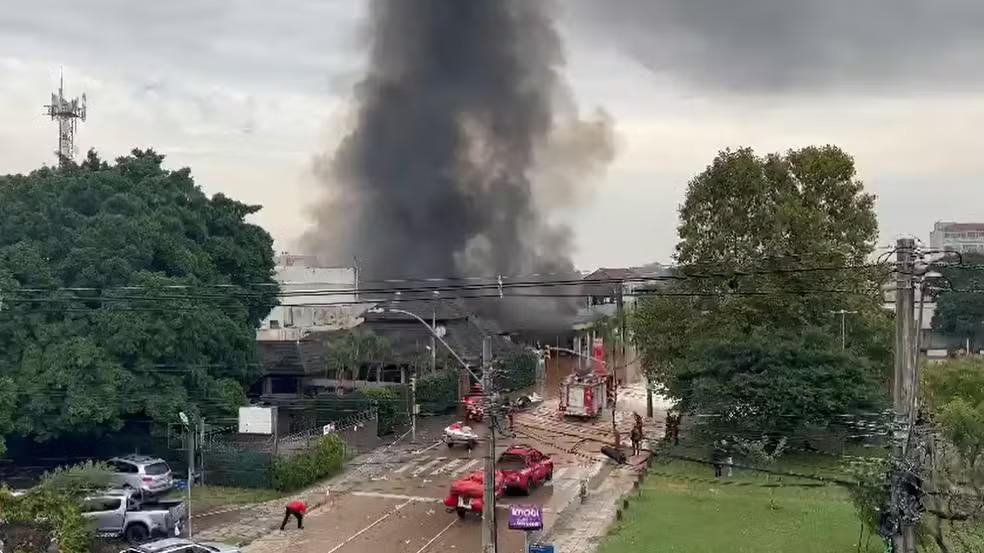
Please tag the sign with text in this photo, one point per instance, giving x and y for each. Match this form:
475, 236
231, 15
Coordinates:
541, 548
525, 517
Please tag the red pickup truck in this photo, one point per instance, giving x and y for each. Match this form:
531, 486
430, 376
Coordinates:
466, 493
519, 468
524, 467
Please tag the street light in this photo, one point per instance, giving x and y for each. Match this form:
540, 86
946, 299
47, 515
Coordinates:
191, 464
844, 315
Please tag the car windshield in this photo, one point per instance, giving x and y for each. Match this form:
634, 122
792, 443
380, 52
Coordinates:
156, 469
511, 461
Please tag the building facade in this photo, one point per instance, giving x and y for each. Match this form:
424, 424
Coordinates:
309, 301
960, 237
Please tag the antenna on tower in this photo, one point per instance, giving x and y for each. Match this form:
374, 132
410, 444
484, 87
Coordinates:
68, 113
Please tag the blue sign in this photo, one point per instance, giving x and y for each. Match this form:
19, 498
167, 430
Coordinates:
541, 548
525, 517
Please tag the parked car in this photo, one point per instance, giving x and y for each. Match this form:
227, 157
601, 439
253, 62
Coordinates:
151, 475
466, 493
117, 513
459, 434
523, 468
179, 545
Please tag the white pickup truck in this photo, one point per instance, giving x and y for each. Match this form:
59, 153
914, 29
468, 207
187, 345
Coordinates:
117, 513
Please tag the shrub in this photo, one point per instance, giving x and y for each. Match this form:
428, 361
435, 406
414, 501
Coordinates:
322, 460
437, 392
391, 407
517, 371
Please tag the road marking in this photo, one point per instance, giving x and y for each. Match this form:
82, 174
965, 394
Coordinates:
430, 447
439, 534
466, 466
447, 466
424, 468
367, 528
560, 473
398, 497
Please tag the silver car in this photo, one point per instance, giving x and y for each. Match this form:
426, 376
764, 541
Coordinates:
180, 545
151, 475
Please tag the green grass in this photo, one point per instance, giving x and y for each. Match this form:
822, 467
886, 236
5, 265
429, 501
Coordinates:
683, 509
210, 498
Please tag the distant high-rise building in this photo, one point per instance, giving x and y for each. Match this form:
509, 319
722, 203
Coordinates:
960, 237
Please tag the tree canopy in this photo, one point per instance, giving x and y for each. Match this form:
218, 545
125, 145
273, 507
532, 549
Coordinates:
126, 292
960, 310
769, 248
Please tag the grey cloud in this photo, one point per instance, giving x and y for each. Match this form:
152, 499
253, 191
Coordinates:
773, 45
297, 45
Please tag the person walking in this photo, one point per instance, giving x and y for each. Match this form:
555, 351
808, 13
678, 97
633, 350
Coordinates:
636, 435
295, 508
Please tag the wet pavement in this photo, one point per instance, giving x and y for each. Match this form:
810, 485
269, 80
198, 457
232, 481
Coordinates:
393, 503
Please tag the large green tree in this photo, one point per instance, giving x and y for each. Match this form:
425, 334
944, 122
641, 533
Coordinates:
768, 246
960, 309
126, 292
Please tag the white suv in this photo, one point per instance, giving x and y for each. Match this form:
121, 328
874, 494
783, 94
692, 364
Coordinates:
151, 475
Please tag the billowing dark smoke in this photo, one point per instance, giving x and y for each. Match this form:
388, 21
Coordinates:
464, 135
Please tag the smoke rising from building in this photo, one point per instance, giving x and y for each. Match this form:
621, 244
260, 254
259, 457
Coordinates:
464, 137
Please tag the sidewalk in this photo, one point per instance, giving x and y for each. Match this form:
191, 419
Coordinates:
242, 525
582, 527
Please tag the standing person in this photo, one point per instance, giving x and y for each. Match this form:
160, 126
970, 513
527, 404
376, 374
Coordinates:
636, 435
717, 457
297, 508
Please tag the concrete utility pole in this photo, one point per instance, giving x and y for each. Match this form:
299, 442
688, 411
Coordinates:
904, 539
488, 492
413, 409
844, 315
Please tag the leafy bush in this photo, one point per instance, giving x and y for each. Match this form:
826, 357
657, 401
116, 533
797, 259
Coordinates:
76, 479
33, 520
517, 371
437, 392
391, 406
322, 460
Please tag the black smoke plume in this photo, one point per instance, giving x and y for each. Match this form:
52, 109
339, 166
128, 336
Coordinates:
465, 138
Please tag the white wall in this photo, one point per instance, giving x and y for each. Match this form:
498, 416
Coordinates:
314, 310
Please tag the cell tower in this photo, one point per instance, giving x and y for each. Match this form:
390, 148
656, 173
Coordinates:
68, 113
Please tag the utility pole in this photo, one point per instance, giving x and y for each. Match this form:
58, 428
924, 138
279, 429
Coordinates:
413, 408
843, 313
488, 489
437, 295
903, 540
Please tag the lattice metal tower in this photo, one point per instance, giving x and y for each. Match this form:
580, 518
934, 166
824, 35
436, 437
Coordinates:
68, 113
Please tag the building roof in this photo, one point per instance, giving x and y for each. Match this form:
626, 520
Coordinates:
291, 357
958, 227
612, 274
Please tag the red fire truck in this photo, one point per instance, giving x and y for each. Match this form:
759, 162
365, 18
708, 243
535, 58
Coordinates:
585, 396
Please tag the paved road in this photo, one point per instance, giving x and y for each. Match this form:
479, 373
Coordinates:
393, 504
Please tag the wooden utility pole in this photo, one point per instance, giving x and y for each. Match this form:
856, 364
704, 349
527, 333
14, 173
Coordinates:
489, 537
903, 540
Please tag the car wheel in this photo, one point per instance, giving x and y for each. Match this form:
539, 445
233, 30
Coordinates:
525, 490
461, 512
549, 475
137, 533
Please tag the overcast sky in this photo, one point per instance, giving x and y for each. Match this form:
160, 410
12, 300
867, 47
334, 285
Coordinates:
249, 93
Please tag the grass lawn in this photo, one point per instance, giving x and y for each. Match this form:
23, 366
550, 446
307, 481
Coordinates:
209, 498
683, 509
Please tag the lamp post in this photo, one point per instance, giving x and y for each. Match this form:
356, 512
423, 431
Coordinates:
844, 315
191, 464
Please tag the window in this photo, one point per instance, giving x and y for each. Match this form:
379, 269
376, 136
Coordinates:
283, 385
155, 469
124, 467
101, 504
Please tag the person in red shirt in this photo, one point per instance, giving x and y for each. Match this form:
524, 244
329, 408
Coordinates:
296, 508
